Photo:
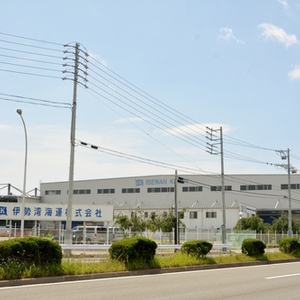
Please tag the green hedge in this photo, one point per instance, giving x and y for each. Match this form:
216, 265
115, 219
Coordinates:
197, 248
253, 247
289, 245
133, 249
29, 251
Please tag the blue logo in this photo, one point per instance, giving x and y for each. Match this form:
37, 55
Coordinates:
139, 182
3, 210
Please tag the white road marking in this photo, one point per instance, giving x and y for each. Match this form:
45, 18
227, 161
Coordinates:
283, 276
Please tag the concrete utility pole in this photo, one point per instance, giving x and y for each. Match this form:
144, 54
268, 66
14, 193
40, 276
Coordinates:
290, 229
176, 228
212, 150
68, 236
285, 154
223, 190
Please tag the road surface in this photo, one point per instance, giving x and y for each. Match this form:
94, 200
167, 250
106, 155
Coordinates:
279, 281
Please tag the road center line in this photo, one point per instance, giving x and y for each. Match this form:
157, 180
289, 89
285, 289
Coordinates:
283, 276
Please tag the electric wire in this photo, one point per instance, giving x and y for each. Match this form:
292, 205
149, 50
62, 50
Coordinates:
34, 101
151, 136
136, 158
178, 129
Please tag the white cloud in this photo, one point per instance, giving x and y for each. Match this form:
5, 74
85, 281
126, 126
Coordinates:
98, 58
284, 4
227, 34
295, 73
195, 129
276, 33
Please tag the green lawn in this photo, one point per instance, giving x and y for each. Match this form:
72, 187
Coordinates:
81, 266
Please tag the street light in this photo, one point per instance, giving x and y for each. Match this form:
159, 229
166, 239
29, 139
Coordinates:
19, 111
241, 215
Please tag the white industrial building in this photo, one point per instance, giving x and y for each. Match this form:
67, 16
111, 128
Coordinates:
199, 195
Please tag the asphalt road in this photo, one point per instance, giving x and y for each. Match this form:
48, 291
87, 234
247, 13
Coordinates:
278, 281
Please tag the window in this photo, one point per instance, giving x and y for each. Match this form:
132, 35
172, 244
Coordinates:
294, 186
192, 189
160, 190
219, 188
146, 214
211, 214
258, 187
81, 192
53, 192
130, 190
193, 215
105, 191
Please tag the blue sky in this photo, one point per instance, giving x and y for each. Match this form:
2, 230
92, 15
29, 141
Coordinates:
233, 64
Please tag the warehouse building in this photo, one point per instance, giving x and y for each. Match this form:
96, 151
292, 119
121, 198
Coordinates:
199, 196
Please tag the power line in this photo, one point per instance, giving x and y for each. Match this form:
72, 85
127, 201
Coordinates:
150, 135
30, 67
35, 101
136, 158
31, 74
30, 59
29, 39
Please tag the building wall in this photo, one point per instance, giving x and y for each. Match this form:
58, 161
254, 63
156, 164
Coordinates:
199, 193
259, 191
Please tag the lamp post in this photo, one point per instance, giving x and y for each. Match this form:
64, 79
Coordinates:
19, 111
241, 215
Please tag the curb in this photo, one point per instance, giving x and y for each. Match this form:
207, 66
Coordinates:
70, 278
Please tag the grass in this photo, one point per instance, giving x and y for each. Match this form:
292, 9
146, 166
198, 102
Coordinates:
72, 266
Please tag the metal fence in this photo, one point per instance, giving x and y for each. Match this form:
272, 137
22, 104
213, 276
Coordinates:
233, 238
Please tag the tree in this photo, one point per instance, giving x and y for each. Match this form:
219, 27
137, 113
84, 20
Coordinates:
136, 224
253, 223
282, 224
164, 222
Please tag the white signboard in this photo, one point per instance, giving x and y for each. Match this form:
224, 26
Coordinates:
56, 212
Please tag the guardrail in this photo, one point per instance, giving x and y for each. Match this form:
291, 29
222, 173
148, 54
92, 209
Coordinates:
106, 247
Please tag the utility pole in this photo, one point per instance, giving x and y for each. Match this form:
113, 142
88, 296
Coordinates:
214, 140
68, 237
285, 154
290, 229
223, 189
176, 227
82, 61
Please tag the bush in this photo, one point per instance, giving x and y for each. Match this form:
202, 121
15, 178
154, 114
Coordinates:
196, 248
253, 247
289, 245
133, 249
30, 251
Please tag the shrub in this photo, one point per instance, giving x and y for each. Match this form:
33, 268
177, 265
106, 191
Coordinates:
197, 248
289, 245
133, 249
29, 251
253, 247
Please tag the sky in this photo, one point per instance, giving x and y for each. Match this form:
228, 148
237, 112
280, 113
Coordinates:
158, 74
